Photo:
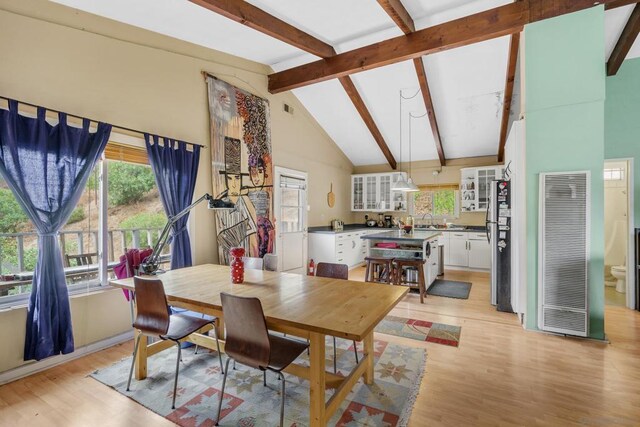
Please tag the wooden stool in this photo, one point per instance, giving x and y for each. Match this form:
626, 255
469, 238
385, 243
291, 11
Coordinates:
414, 263
379, 270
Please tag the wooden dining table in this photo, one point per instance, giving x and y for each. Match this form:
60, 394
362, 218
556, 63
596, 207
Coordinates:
304, 306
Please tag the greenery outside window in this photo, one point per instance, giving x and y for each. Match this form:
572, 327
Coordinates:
134, 219
441, 202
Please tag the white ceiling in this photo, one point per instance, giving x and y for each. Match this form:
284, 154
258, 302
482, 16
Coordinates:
467, 84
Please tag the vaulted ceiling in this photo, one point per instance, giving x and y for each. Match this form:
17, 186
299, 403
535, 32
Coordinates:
466, 84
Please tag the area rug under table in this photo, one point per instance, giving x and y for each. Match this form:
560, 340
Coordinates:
420, 330
388, 401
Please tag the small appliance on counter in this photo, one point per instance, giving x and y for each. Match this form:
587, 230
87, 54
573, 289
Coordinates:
370, 222
337, 225
388, 221
380, 221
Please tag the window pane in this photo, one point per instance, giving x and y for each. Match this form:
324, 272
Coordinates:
444, 203
290, 197
291, 220
423, 203
19, 242
79, 237
135, 213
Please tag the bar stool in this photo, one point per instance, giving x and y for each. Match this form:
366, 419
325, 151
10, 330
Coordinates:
416, 263
379, 270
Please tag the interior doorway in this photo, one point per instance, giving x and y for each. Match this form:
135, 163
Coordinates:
290, 207
619, 233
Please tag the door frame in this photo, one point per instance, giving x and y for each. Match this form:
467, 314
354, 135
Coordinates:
631, 270
278, 172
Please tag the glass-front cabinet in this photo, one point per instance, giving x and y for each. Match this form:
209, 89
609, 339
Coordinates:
372, 193
357, 192
475, 187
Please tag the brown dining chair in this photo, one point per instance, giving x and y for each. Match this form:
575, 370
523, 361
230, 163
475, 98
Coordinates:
270, 262
249, 342
251, 263
153, 318
335, 271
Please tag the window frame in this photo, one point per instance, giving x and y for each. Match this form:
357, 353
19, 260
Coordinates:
121, 147
433, 190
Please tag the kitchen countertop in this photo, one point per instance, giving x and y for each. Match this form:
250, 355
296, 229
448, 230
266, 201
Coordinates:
401, 236
348, 228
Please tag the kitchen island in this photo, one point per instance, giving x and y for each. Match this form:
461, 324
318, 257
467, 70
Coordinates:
398, 244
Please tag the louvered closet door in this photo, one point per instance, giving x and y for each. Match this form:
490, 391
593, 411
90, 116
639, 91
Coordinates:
563, 256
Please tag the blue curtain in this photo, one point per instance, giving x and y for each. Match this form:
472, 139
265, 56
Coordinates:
47, 168
175, 169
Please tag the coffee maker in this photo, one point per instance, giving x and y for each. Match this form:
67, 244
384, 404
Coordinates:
388, 221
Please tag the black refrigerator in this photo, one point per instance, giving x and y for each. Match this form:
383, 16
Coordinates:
499, 235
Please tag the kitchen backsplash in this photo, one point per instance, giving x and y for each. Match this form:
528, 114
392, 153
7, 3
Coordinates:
466, 218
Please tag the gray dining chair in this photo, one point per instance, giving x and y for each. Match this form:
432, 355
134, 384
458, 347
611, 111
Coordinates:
270, 262
251, 263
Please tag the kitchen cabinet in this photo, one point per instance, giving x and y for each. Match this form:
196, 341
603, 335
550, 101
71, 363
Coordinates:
475, 187
479, 251
467, 250
372, 193
341, 248
458, 254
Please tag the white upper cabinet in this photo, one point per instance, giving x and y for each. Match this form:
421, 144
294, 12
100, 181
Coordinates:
475, 187
372, 193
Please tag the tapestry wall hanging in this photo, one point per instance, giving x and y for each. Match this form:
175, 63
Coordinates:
242, 169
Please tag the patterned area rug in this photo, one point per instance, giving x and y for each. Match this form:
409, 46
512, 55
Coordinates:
388, 402
420, 330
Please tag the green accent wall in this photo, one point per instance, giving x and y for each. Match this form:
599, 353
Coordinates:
564, 110
622, 121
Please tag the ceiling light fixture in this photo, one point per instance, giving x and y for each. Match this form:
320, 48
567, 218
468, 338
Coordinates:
401, 184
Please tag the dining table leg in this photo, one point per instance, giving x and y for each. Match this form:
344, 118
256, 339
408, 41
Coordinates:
141, 356
317, 408
368, 351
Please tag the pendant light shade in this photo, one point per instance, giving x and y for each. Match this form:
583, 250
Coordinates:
400, 185
411, 187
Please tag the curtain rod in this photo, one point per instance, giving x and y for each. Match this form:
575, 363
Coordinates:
97, 121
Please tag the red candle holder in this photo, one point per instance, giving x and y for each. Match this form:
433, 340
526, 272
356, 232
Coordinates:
237, 265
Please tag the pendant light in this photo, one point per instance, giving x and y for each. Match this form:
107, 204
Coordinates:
401, 184
411, 187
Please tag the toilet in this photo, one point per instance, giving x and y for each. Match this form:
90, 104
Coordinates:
620, 273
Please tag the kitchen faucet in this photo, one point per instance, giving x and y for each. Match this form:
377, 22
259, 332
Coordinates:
430, 220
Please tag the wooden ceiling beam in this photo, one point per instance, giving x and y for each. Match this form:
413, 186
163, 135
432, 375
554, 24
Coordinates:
399, 14
486, 25
358, 102
396, 10
626, 40
428, 102
508, 93
619, 3
245, 13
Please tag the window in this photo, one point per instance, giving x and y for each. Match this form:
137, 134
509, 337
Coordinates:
441, 202
292, 203
135, 217
615, 174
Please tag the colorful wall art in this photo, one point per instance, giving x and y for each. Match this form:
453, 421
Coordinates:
242, 169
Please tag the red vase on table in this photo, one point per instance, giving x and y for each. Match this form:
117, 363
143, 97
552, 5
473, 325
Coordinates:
237, 265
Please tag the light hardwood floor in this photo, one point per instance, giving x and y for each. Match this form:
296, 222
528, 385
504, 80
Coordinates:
500, 375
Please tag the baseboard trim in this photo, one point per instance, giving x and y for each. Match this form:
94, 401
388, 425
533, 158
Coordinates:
35, 367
